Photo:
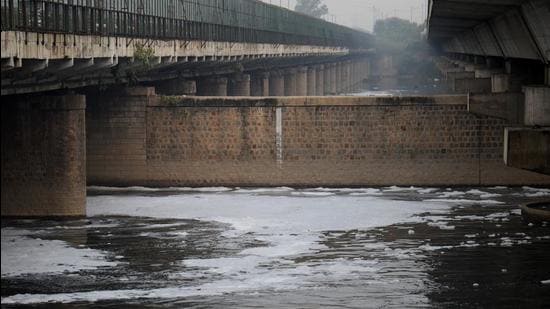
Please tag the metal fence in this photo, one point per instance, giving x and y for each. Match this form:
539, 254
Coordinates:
210, 20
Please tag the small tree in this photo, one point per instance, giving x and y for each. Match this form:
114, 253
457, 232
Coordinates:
314, 8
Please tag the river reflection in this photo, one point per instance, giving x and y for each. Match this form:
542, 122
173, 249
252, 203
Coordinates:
279, 247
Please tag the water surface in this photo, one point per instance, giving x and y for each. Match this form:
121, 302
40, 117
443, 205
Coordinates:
280, 247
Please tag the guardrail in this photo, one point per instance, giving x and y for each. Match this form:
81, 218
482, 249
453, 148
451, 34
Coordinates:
209, 20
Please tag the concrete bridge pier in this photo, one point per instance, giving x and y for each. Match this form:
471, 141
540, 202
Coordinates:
213, 86
259, 84
338, 78
290, 82
311, 81
326, 79
177, 87
319, 80
301, 81
333, 80
276, 84
43, 156
239, 85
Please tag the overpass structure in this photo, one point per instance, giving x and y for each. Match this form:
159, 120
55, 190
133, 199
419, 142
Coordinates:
195, 44
498, 52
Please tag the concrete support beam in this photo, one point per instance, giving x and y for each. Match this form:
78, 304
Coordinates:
239, 85
311, 81
527, 149
44, 156
215, 86
301, 81
290, 82
259, 85
537, 105
487, 73
320, 80
453, 75
177, 87
508, 106
500, 82
472, 85
276, 84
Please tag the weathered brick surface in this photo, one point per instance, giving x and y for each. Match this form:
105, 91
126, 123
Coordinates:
43, 156
116, 137
335, 141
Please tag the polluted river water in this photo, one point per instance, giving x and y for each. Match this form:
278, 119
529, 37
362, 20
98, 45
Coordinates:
389, 247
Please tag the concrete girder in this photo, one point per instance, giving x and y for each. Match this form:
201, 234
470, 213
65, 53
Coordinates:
514, 36
505, 28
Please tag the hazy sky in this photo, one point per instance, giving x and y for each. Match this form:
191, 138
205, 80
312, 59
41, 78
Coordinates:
362, 13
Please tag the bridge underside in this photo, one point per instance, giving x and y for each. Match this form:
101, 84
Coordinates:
498, 51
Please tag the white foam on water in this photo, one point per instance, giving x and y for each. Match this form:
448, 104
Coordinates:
264, 190
290, 224
22, 254
166, 189
464, 201
449, 194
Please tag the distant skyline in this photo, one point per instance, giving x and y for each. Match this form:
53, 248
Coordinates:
363, 13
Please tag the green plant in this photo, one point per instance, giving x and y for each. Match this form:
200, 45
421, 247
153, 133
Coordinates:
143, 54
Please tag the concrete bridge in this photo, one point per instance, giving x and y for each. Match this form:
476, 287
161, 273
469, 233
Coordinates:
241, 47
498, 52
104, 94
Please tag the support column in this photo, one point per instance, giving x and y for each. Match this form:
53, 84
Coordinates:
301, 81
259, 85
320, 80
177, 87
276, 84
333, 79
338, 78
44, 156
537, 105
500, 83
214, 86
327, 76
239, 85
311, 81
290, 82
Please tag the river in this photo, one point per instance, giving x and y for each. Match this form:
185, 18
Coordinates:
283, 248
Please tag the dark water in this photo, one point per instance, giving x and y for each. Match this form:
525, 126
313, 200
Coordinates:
469, 255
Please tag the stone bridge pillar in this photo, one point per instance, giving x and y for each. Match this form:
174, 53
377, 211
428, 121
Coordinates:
44, 156
311, 81
259, 84
290, 82
320, 80
213, 86
301, 81
239, 85
276, 84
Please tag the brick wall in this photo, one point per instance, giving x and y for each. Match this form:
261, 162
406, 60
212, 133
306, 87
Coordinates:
43, 155
321, 141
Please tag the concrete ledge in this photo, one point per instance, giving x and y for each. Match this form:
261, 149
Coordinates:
528, 149
187, 101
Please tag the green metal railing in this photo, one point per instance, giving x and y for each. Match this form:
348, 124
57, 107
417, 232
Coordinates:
209, 20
